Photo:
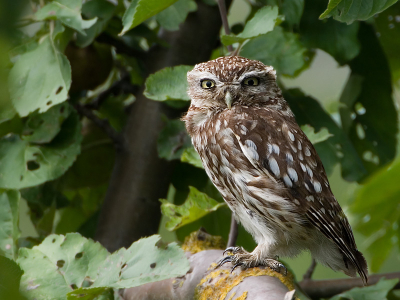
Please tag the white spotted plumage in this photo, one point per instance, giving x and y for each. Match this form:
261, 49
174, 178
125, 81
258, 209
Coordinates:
265, 167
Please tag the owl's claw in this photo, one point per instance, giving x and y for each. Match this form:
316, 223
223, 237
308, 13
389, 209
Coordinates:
240, 258
235, 266
224, 261
233, 250
276, 266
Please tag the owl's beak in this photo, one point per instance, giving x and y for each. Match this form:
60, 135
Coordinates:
228, 99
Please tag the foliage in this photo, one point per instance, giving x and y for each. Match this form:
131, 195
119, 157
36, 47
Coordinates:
377, 291
196, 205
71, 266
66, 58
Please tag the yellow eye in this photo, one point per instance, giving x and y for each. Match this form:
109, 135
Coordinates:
207, 84
252, 81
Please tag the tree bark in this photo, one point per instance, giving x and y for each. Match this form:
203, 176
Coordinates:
131, 208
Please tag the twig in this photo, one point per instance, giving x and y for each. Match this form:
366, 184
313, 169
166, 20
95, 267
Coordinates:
121, 86
103, 124
233, 232
307, 275
120, 46
317, 289
222, 11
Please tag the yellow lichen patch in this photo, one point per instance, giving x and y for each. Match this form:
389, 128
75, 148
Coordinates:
200, 240
219, 283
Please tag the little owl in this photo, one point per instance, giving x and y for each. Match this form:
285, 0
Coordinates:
265, 167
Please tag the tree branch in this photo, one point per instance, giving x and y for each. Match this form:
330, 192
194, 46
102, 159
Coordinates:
224, 18
233, 232
308, 274
120, 86
222, 281
131, 208
317, 289
116, 137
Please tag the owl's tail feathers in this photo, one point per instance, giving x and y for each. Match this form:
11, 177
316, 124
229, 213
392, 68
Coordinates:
357, 263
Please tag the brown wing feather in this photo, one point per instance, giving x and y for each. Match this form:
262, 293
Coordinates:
289, 157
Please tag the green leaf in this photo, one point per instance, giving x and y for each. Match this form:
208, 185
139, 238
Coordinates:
191, 156
388, 31
24, 165
39, 79
263, 21
68, 12
7, 111
168, 84
172, 16
337, 39
196, 206
10, 277
373, 292
351, 10
368, 114
337, 148
291, 10
278, 48
316, 137
147, 260
380, 225
9, 218
173, 140
59, 265
103, 10
140, 10
42, 128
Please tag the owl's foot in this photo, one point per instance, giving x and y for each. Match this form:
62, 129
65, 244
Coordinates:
239, 257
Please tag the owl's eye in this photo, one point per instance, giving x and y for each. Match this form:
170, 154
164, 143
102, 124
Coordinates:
207, 84
252, 81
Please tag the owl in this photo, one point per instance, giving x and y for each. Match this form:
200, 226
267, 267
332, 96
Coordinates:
265, 168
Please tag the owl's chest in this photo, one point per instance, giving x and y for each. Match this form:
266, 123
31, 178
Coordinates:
222, 158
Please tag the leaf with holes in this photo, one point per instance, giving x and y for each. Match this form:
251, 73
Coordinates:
368, 113
168, 84
140, 10
9, 216
147, 260
316, 137
68, 12
24, 165
173, 140
59, 265
196, 206
191, 156
377, 291
279, 49
172, 16
380, 225
39, 79
42, 128
351, 10
263, 21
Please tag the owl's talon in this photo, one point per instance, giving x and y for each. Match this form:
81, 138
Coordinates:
276, 266
235, 266
224, 261
233, 250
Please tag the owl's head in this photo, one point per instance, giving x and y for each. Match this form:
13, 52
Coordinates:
233, 80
